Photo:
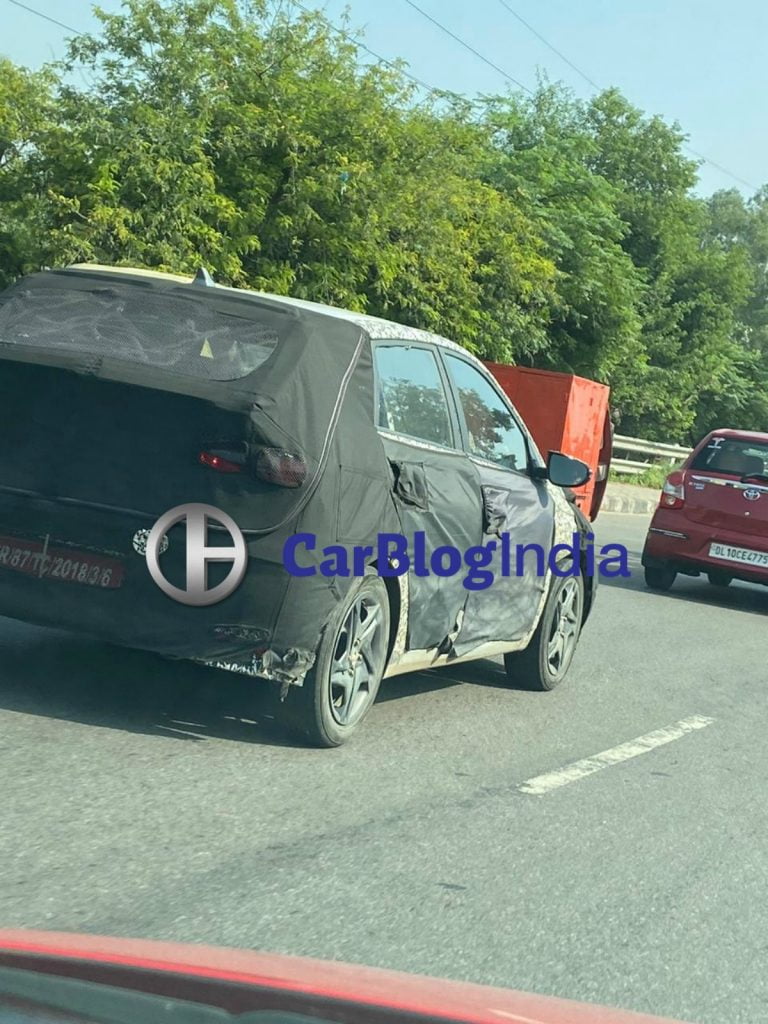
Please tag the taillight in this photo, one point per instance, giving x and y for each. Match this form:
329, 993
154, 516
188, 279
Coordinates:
222, 461
673, 491
276, 466
272, 465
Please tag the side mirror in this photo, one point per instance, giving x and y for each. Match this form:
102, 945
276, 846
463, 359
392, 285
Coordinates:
563, 471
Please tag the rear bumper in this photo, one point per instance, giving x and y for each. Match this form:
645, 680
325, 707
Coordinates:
136, 614
676, 542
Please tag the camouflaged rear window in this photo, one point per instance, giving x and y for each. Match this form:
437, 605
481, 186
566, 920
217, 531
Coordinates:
177, 334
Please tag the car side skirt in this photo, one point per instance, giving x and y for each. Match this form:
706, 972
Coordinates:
417, 661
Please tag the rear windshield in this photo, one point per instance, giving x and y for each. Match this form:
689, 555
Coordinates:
737, 456
180, 334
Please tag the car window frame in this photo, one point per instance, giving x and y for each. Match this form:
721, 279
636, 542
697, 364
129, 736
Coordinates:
456, 447
532, 453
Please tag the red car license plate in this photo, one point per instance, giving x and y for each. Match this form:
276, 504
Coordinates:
36, 558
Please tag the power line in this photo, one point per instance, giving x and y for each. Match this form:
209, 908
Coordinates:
356, 42
295, 3
723, 170
471, 49
548, 44
424, 85
687, 148
40, 14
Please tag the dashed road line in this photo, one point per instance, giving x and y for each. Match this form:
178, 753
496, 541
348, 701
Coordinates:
539, 785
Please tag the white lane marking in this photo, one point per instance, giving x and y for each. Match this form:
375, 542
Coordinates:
541, 784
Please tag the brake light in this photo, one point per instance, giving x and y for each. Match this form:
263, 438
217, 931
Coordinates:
222, 464
673, 491
275, 466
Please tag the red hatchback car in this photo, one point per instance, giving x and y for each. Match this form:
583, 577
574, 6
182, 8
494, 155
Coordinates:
713, 514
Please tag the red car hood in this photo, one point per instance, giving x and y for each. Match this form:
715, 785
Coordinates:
239, 980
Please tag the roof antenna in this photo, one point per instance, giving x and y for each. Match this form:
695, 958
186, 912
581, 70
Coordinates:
204, 278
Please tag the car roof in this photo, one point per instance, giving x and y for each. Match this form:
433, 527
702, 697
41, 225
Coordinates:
738, 435
374, 326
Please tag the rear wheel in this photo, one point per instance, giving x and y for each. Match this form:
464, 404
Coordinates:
341, 687
546, 660
659, 577
718, 578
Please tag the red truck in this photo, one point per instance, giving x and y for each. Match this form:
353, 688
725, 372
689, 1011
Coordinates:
568, 414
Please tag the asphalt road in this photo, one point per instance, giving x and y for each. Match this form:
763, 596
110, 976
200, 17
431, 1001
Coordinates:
149, 799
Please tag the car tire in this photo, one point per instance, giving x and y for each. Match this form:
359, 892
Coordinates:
546, 660
341, 687
659, 577
718, 578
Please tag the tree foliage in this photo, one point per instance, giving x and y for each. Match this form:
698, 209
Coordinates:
543, 229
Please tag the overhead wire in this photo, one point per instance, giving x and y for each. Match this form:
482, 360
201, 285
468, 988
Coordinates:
590, 81
457, 38
468, 46
389, 63
47, 17
546, 42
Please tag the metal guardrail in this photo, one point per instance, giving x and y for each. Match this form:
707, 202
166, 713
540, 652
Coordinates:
627, 467
652, 453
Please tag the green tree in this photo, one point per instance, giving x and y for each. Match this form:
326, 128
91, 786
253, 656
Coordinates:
540, 159
258, 147
28, 120
256, 142
687, 310
739, 228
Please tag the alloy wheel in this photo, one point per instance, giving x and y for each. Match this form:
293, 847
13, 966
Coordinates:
564, 633
358, 660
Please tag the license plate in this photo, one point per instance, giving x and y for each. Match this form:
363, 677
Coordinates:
47, 562
744, 555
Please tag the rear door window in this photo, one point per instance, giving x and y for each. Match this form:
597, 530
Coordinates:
179, 334
411, 396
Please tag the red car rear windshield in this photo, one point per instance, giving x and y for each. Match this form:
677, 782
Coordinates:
733, 455
178, 334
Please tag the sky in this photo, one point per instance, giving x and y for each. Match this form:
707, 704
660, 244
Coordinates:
702, 63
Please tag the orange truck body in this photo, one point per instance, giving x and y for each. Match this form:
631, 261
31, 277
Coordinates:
566, 414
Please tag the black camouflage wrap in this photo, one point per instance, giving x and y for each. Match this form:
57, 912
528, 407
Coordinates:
98, 446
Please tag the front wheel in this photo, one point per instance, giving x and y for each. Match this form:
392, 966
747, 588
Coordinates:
545, 661
341, 687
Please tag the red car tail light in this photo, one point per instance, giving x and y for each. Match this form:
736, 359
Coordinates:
275, 466
222, 462
673, 491
272, 465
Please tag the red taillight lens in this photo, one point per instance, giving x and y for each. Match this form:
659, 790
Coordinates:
217, 461
673, 491
275, 466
